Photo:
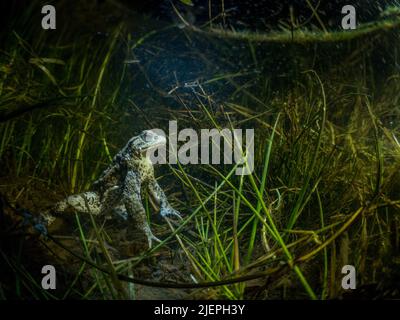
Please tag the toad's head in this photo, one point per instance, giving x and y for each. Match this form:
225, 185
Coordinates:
147, 140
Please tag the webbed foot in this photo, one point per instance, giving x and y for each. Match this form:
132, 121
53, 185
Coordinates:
41, 228
151, 238
38, 223
169, 212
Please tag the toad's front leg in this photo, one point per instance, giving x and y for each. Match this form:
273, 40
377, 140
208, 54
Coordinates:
160, 198
133, 205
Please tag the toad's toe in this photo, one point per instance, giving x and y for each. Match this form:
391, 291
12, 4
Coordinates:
168, 212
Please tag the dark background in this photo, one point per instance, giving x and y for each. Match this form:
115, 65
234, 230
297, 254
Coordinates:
260, 15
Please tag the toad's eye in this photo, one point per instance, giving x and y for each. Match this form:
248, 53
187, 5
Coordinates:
147, 136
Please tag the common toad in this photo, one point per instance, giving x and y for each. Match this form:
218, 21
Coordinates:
118, 189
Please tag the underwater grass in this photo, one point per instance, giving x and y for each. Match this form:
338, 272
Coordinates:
325, 136
387, 23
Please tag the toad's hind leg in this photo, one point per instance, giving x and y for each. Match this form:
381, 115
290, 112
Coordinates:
87, 202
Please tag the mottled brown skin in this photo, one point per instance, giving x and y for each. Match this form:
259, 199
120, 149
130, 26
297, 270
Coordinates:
118, 189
